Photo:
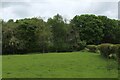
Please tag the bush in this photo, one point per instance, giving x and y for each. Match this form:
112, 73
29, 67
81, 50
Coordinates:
82, 45
114, 49
92, 48
118, 52
110, 50
107, 49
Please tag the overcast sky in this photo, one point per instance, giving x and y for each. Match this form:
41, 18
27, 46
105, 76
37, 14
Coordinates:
48, 8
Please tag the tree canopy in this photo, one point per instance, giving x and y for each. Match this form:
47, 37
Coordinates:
56, 35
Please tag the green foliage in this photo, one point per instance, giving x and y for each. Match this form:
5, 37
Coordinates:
59, 32
89, 28
111, 30
92, 48
8, 37
114, 48
81, 45
56, 35
26, 34
105, 49
118, 52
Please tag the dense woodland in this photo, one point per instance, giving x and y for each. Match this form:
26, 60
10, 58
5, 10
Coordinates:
57, 34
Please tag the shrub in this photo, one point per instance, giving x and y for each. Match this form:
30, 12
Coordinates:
110, 50
118, 52
106, 49
114, 49
82, 45
92, 48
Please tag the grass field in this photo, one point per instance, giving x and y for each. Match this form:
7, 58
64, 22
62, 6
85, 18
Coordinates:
58, 65
0, 66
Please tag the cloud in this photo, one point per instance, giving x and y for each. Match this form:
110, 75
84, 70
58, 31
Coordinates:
8, 4
66, 8
59, 0
14, 10
119, 10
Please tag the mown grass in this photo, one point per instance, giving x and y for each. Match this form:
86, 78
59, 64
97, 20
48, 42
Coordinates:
0, 66
58, 65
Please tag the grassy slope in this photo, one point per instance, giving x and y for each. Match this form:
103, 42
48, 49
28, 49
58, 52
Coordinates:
75, 64
0, 67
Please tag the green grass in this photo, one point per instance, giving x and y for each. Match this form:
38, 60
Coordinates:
58, 65
0, 66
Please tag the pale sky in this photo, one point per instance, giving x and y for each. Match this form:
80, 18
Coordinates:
15, 9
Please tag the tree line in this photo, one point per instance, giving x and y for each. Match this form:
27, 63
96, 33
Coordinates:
57, 35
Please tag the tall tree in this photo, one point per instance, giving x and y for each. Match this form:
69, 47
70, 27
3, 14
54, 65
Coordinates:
89, 27
110, 26
9, 40
59, 33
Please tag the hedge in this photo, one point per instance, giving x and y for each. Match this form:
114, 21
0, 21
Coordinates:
110, 50
107, 49
118, 52
92, 48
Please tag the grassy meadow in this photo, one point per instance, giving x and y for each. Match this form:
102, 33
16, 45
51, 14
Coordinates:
58, 65
0, 66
